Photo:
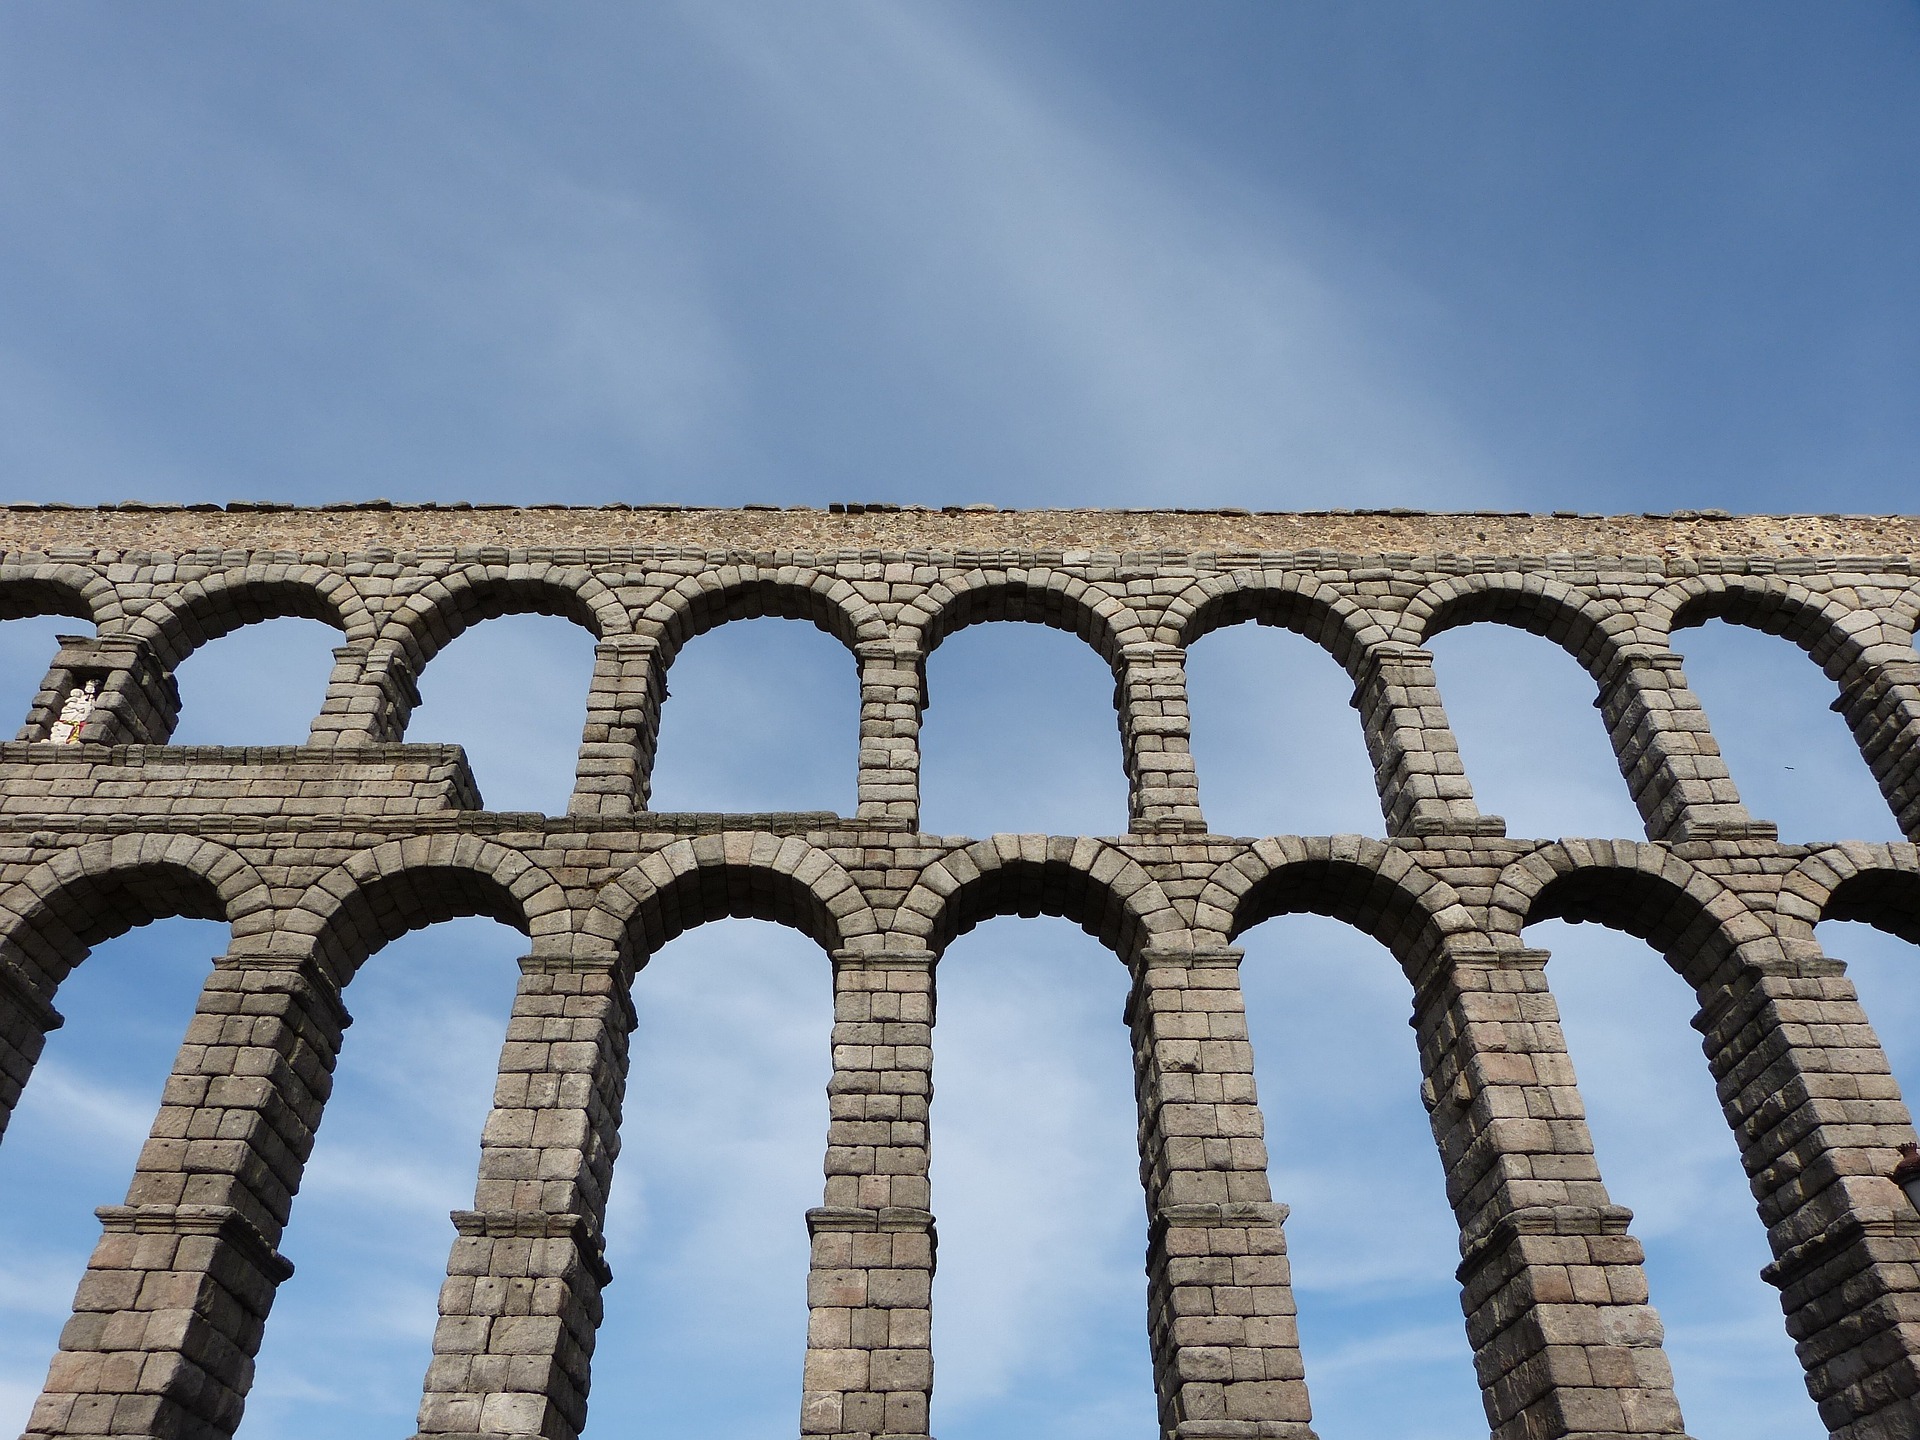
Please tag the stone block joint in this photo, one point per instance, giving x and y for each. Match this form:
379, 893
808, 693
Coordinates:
316, 855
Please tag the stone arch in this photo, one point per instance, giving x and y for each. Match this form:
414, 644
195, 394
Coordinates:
703, 602
751, 876
1904, 612
1583, 625
1376, 888
1660, 741
1785, 1042
1047, 597
447, 605
1835, 633
51, 589
1702, 927
205, 609
57, 913
1876, 884
1865, 650
378, 895
1153, 723
41, 590
1087, 881
51, 917
1287, 599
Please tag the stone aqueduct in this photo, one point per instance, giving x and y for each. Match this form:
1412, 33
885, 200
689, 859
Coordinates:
318, 855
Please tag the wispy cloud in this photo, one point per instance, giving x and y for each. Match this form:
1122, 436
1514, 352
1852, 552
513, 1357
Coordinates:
40, 1283
1185, 337
118, 1116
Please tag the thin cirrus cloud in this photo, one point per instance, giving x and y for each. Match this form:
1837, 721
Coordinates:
961, 281
349, 274
1133, 326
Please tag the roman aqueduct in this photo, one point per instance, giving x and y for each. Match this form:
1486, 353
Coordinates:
318, 855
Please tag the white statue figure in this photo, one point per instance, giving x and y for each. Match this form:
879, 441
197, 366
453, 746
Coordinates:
74, 711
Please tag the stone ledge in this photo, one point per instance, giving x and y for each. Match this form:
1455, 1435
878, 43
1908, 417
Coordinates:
259, 781
222, 1222
1720, 831
1485, 827
643, 825
29, 752
1539, 1220
537, 1225
1816, 1250
894, 959
1234, 1214
827, 1219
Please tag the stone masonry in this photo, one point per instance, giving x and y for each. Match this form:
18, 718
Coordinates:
318, 855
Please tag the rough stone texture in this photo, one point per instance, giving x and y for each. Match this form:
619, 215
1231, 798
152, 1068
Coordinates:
318, 855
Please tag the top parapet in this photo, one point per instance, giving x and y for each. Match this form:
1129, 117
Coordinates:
382, 525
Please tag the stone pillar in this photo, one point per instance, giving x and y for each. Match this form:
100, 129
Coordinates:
1564, 1339
623, 727
869, 1367
1156, 729
1416, 761
1667, 752
1819, 1118
371, 695
1880, 699
892, 695
1220, 1311
138, 702
169, 1314
521, 1304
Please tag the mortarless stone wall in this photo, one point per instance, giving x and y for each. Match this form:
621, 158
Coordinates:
318, 855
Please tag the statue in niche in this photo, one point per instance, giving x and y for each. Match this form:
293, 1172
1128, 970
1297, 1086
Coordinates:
74, 711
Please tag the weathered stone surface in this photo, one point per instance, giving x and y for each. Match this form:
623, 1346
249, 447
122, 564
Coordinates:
318, 855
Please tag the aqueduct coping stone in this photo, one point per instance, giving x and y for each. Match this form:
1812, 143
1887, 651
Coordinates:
318, 854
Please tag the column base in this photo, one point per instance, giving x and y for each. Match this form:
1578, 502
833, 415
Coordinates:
1713, 829
1168, 825
1422, 827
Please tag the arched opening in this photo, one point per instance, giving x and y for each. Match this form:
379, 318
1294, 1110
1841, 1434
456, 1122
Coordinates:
1663, 1140
272, 680
352, 1332
1020, 735
1665, 1151
720, 1159
1372, 1239
1533, 744
1276, 744
513, 691
1873, 929
260, 684
1795, 762
1039, 1300
77, 1130
28, 645
764, 715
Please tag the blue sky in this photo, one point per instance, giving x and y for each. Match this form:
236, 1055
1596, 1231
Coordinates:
1621, 258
